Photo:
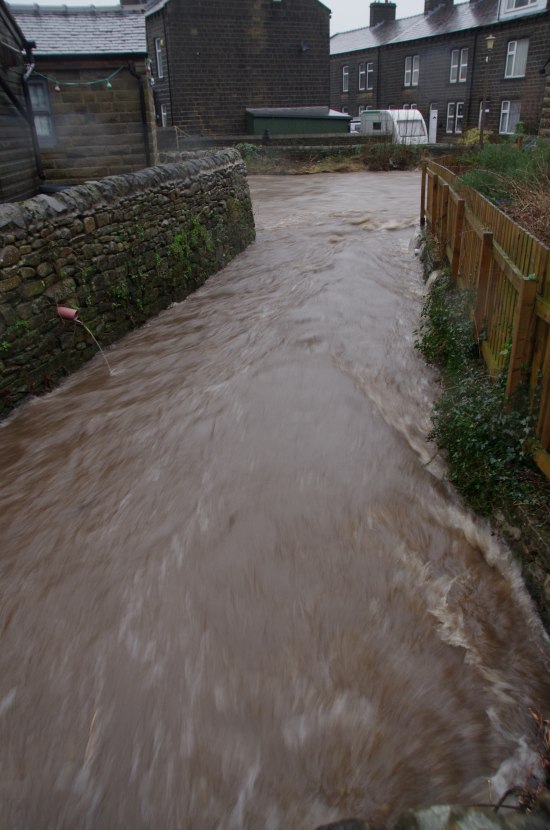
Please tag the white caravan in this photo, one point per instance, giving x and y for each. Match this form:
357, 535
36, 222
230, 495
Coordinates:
401, 126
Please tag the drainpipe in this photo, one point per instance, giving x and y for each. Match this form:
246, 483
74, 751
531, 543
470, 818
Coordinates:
34, 138
472, 110
143, 108
168, 66
378, 78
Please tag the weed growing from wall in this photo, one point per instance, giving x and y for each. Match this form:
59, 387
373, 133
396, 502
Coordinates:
189, 241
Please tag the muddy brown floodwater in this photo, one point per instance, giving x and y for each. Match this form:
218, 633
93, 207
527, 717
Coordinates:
236, 592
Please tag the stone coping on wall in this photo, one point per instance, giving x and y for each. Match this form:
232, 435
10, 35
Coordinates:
90, 196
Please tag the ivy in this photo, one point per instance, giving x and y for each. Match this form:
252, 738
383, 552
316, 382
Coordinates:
486, 438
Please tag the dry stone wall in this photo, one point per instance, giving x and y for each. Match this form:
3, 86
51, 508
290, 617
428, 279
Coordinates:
120, 250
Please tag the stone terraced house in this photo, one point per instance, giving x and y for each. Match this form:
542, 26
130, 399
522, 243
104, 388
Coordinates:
92, 104
440, 62
214, 59
19, 157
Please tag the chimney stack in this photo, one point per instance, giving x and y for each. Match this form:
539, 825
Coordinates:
381, 12
432, 5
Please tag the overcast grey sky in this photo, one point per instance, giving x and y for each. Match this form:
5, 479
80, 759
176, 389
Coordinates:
353, 14
346, 14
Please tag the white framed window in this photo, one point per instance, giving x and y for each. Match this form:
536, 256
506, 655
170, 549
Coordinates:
412, 70
512, 5
370, 75
344, 110
159, 54
509, 117
459, 117
362, 80
414, 107
455, 61
163, 115
451, 112
405, 106
345, 78
516, 58
42, 111
463, 71
459, 65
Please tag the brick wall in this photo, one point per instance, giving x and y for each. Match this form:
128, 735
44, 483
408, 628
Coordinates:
98, 130
228, 55
120, 250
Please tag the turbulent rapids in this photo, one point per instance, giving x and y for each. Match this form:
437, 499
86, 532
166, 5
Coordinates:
236, 592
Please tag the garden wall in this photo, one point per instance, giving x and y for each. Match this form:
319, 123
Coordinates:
120, 250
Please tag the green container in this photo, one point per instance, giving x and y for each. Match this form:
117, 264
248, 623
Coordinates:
296, 121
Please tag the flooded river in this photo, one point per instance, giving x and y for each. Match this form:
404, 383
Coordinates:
235, 591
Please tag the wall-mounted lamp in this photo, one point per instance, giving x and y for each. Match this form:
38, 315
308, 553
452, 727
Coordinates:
490, 41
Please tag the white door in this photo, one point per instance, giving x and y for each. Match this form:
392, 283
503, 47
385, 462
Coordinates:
432, 136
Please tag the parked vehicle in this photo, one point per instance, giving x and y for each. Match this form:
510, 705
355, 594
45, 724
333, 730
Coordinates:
401, 126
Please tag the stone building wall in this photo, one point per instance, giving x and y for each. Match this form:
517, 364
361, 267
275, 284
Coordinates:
119, 250
221, 57
18, 174
18, 177
434, 85
98, 130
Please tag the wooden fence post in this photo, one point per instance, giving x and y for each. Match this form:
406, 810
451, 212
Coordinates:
523, 333
443, 215
543, 426
423, 195
482, 281
457, 237
435, 204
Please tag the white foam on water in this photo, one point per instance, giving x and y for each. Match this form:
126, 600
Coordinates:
516, 769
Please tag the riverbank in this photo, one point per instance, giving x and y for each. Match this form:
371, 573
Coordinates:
486, 444
295, 160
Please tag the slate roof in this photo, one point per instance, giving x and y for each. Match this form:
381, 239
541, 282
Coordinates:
443, 21
153, 6
8, 21
58, 30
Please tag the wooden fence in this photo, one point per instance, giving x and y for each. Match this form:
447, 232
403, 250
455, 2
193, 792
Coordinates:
509, 272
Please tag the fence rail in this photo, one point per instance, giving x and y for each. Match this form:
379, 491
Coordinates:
509, 272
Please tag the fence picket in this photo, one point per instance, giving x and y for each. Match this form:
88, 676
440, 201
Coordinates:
507, 266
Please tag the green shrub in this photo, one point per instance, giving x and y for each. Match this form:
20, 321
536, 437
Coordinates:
498, 170
389, 156
485, 437
248, 150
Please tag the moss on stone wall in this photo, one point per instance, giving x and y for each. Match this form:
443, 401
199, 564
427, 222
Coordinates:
119, 250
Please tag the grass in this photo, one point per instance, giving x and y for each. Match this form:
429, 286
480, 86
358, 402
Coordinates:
517, 178
344, 159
